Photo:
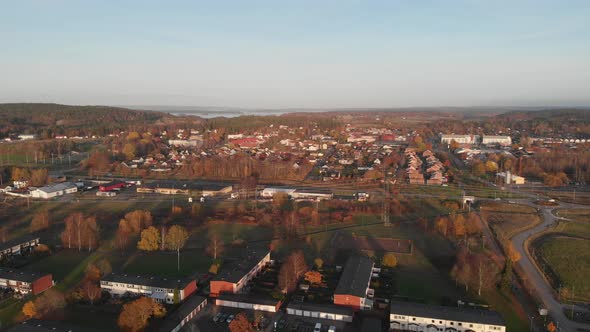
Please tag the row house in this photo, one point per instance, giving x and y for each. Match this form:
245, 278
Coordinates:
163, 290
353, 287
237, 273
25, 283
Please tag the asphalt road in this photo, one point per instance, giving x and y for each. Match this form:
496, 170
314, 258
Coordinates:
543, 289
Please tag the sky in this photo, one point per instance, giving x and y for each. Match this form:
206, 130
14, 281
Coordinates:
296, 54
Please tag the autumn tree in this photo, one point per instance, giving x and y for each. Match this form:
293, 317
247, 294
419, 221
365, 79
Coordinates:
40, 221
313, 277
48, 302
459, 225
176, 239
318, 262
389, 260
39, 177
291, 270
240, 324
150, 239
139, 220
29, 309
80, 232
135, 315
216, 246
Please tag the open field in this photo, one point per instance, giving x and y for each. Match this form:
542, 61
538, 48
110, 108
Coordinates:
573, 228
569, 197
509, 219
581, 215
566, 261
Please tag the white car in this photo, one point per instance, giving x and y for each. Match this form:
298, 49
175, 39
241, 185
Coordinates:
317, 328
332, 328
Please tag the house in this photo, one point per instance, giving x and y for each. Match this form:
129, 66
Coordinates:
353, 288
110, 186
242, 301
160, 289
323, 311
18, 246
25, 282
405, 316
187, 311
509, 178
501, 140
236, 274
54, 190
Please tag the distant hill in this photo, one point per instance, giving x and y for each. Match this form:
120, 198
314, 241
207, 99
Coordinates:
42, 118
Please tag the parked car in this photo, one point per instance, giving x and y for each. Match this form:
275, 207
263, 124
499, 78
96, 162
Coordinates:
317, 328
230, 318
217, 317
332, 328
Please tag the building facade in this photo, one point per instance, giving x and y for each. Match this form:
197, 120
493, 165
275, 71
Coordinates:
405, 316
18, 246
25, 282
461, 139
54, 190
501, 140
181, 316
160, 289
323, 311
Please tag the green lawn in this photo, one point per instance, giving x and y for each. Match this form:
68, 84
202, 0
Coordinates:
165, 263
573, 228
569, 259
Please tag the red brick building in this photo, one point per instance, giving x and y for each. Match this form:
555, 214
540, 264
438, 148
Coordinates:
111, 186
353, 288
25, 282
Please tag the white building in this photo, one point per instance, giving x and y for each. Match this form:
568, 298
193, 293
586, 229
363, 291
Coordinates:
502, 140
54, 190
249, 302
159, 289
461, 139
25, 137
322, 311
269, 192
509, 178
406, 316
185, 142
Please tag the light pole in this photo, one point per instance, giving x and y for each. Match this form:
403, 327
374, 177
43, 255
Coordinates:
531, 318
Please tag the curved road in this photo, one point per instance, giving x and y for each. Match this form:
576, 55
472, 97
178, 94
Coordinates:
544, 290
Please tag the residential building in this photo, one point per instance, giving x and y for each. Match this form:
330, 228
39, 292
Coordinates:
186, 142
243, 301
160, 289
353, 288
501, 140
237, 273
405, 316
54, 190
509, 178
187, 311
25, 282
323, 311
461, 139
18, 246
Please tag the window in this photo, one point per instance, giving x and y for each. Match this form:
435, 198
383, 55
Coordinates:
413, 318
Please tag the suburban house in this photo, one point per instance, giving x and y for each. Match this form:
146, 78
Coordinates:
25, 282
160, 289
323, 311
54, 190
187, 311
406, 316
18, 246
353, 288
236, 274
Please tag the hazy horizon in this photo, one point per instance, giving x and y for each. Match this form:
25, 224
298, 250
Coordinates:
300, 54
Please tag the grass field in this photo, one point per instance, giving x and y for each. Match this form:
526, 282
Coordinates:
568, 197
573, 228
569, 259
165, 263
581, 215
509, 219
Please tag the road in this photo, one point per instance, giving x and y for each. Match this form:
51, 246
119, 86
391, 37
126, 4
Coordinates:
543, 289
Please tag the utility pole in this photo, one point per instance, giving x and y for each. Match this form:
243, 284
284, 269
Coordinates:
385, 213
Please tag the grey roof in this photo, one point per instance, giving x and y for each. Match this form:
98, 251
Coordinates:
447, 313
36, 325
14, 242
234, 271
355, 276
174, 318
23, 276
168, 283
328, 308
57, 187
244, 298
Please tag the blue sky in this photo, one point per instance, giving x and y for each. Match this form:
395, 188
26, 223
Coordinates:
270, 54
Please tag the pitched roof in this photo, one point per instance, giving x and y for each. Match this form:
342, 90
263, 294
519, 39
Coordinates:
174, 318
446, 313
18, 275
355, 276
